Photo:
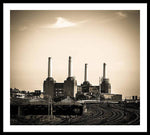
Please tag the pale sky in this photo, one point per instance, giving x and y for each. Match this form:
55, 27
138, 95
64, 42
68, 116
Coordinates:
92, 37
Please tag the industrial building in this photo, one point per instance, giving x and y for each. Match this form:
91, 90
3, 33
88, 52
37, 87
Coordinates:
70, 84
49, 83
105, 85
85, 91
110, 97
100, 92
86, 84
60, 90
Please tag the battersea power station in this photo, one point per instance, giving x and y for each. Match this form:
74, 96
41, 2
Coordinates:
85, 91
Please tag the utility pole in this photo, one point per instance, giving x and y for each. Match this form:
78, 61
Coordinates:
50, 107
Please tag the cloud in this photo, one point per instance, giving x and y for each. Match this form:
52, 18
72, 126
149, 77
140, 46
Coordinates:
62, 23
121, 14
115, 16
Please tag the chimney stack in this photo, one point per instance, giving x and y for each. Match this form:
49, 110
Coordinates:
85, 75
69, 67
104, 70
49, 67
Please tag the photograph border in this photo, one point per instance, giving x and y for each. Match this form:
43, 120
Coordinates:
77, 128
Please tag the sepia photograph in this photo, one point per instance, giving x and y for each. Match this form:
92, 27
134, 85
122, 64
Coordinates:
75, 67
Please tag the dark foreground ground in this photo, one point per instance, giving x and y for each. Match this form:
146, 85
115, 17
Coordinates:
97, 114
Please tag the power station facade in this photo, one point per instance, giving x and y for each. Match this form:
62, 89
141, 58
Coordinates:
49, 83
105, 85
85, 91
57, 90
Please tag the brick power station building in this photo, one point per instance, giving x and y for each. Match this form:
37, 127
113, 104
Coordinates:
54, 89
85, 91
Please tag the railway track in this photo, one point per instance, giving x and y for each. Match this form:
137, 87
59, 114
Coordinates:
117, 118
136, 120
82, 120
132, 114
98, 114
90, 118
113, 115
